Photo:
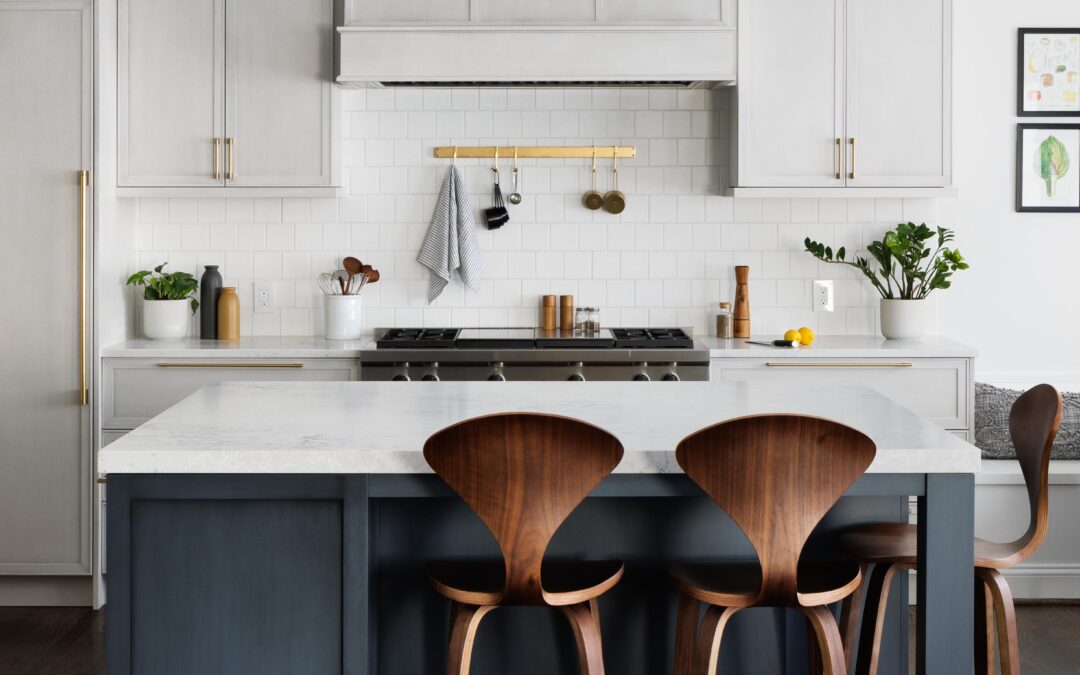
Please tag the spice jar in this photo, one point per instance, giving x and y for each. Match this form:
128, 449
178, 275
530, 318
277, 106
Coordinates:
587, 320
725, 324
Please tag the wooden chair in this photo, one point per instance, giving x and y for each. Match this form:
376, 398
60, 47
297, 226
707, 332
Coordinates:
892, 548
776, 476
523, 474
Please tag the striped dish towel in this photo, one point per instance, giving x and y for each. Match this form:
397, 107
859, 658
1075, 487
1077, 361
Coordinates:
451, 243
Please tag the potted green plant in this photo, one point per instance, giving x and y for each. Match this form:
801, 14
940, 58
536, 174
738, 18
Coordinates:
168, 296
907, 265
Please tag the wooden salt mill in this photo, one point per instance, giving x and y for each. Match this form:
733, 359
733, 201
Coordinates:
742, 302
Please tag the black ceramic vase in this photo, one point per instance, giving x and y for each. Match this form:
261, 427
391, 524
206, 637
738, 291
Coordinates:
208, 302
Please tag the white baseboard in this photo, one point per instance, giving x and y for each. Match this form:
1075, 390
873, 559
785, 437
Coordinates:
45, 591
1030, 581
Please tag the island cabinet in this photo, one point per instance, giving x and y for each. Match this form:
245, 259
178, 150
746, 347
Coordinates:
222, 95
824, 102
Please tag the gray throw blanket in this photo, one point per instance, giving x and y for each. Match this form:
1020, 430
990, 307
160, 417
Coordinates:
992, 406
451, 243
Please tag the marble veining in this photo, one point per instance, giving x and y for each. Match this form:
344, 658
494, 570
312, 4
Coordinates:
380, 427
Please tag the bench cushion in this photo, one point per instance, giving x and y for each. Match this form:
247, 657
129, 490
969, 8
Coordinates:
992, 405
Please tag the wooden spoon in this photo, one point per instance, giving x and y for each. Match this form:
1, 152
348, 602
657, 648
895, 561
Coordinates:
373, 274
353, 266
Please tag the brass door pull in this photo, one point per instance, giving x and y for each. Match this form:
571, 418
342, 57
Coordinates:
230, 365
852, 174
217, 160
839, 158
84, 185
773, 364
230, 167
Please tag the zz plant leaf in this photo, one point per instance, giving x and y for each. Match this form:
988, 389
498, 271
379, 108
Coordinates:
161, 285
906, 264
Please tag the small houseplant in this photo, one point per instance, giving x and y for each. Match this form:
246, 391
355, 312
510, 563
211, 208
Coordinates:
168, 296
905, 266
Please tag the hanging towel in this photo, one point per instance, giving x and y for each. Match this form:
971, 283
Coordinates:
451, 243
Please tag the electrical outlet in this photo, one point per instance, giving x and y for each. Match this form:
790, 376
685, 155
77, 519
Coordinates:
264, 297
823, 296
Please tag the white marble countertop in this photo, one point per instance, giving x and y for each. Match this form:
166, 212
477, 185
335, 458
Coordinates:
380, 427
247, 347
840, 347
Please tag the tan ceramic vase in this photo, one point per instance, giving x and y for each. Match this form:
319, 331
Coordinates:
228, 316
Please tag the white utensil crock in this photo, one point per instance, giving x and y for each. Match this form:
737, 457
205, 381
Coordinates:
166, 319
344, 319
904, 319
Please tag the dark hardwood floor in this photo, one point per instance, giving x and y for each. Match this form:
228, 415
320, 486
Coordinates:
71, 640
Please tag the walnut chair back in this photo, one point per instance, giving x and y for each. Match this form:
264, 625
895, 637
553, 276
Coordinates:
776, 476
523, 474
1033, 423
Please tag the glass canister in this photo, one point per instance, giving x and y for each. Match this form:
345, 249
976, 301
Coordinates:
725, 321
587, 320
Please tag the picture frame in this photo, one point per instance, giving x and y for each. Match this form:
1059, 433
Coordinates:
1048, 72
1048, 168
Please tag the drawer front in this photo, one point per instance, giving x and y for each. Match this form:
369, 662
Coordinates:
134, 390
936, 389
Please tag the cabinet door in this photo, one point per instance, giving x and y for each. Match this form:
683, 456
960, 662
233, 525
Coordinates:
279, 104
899, 102
170, 91
790, 95
46, 56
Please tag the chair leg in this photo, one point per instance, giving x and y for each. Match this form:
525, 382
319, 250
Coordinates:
686, 629
708, 642
464, 620
585, 620
873, 617
827, 632
1005, 614
850, 609
984, 629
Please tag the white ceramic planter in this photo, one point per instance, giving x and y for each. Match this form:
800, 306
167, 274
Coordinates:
344, 319
904, 319
166, 319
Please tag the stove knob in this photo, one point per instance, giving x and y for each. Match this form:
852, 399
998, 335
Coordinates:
576, 377
401, 377
640, 377
430, 377
496, 377
670, 377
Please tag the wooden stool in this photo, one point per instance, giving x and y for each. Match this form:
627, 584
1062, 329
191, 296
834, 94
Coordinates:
776, 476
523, 474
893, 548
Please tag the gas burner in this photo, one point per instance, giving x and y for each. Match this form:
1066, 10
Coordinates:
655, 338
404, 338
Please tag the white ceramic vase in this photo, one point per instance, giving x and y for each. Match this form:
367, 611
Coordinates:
344, 318
166, 319
904, 319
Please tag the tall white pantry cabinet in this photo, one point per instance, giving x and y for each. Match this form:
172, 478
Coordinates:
46, 156
844, 94
226, 94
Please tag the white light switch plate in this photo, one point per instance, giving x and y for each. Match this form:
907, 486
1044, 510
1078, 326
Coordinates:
823, 296
264, 297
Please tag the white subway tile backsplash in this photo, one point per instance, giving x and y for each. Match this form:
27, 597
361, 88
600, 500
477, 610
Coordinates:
667, 259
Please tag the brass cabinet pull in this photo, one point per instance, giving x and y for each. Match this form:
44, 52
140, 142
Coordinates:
230, 365
84, 185
773, 364
217, 159
852, 174
839, 157
230, 169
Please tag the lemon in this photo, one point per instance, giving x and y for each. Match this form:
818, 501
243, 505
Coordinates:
793, 336
807, 336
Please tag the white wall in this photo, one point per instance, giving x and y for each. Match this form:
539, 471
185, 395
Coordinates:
666, 261
1019, 303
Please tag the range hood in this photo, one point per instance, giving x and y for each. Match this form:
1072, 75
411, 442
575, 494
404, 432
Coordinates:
381, 53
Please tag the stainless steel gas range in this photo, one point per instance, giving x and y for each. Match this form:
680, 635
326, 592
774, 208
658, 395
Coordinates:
532, 354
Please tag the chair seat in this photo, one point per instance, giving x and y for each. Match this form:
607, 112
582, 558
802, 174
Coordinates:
565, 582
736, 583
898, 543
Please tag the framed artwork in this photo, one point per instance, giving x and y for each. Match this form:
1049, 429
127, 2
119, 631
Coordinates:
1048, 76
1048, 168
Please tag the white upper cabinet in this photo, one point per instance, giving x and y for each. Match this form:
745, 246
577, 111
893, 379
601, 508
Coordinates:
791, 98
898, 103
223, 94
844, 94
171, 70
279, 91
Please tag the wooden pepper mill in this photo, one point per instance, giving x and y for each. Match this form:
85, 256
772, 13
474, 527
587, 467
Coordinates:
742, 302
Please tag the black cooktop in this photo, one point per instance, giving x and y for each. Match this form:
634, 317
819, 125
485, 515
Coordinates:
532, 338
